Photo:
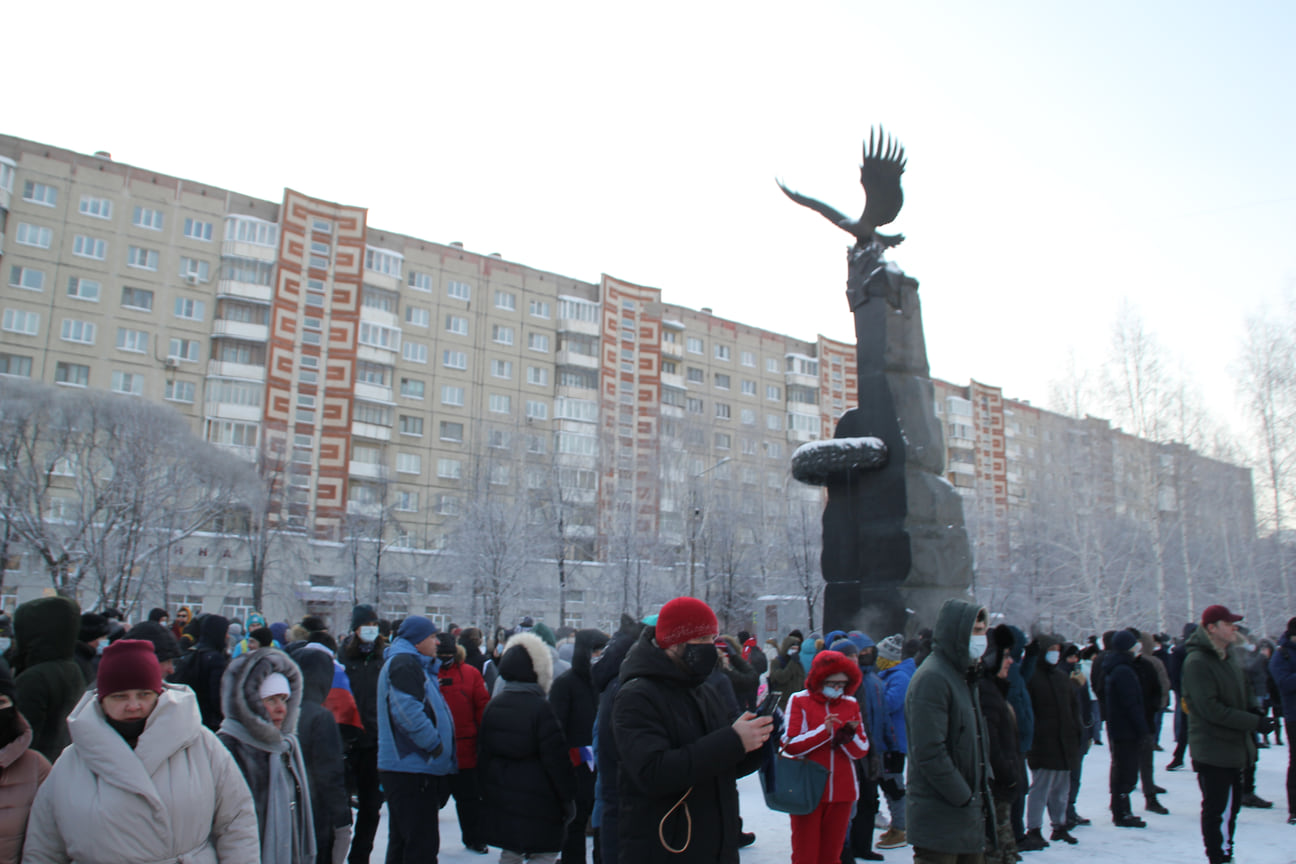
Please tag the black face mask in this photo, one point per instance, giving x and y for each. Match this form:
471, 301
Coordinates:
131, 730
10, 728
700, 661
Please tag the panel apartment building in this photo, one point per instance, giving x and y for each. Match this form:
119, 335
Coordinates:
385, 373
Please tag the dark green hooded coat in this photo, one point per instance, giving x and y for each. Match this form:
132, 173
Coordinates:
947, 780
1216, 698
49, 682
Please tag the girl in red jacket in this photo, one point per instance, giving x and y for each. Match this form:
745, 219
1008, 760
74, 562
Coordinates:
823, 724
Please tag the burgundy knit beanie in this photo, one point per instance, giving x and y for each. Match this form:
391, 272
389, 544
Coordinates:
128, 664
685, 618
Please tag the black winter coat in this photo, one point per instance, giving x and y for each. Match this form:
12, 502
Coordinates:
321, 745
1057, 722
1001, 726
362, 668
742, 675
1150, 683
527, 781
1126, 714
572, 694
607, 681
47, 681
674, 739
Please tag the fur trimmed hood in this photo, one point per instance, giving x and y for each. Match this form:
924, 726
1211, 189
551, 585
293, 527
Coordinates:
831, 662
239, 693
538, 653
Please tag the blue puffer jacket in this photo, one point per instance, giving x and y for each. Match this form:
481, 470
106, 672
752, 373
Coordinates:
896, 680
1018, 696
415, 728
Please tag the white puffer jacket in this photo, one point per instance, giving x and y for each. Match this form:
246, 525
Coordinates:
177, 797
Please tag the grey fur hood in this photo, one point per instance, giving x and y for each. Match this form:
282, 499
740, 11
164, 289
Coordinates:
240, 686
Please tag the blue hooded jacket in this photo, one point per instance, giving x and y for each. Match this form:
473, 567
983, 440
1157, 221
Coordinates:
1018, 696
415, 728
896, 680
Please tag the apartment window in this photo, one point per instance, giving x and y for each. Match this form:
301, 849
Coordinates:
72, 374
447, 505
21, 321
35, 235
537, 410
190, 309
450, 469
575, 444
538, 375
128, 383
83, 289
505, 300
773, 393
538, 342
195, 270
415, 352
408, 425
179, 391
576, 409
498, 475
409, 463
365, 455
723, 440
502, 369
13, 364
261, 273
695, 375
539, 309
140, 258
497, 438
581, 379
458, 290
320, 252
774, 449
500, 404
132, 340
721, 381
146, 217
802, 423
748, 417
407, 502
99, 208
229, 432
197, 229
722, 352
412, 388
420, 281
40, 193
672, 396
378, 336
452, 395
307, 369
669, 337
694, 406
137, 298
368, 412
773, 422
73, 330
535, 444
502, 335
184, 349
27, 277
418, 316
373, 373
454, 359
236, 393
451, 431
772, 365
669, 367
456, 324
799, 365
748, 358
384, 261
693, 345
722, 410
248, 229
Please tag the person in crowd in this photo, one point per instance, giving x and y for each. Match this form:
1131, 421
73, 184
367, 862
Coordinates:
22, 771
1174, 668
1282, 667
255, 623
1025, 654
575, 702
1127, 725
947, 786
744, 678
203, 668
47, 681
1055, 747
786, 674
1243, 650
490, 668
551, 642
362, 657
680, 757
164, 644
143, 779
752, 654
321, 747
896, 667
1076, 672
465, 694
261, 696
181, 621
158, 615
92, 639
1155, 682
261, 637
527, 778
824, 724
416, 743
605, 676
1221, 729
1001, 745
471, 640
870, 695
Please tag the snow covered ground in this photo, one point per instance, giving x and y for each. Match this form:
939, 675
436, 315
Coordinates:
1263, 836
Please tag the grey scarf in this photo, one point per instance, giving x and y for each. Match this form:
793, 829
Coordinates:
289, 836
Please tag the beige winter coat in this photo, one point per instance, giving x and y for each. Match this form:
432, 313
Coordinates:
178, 797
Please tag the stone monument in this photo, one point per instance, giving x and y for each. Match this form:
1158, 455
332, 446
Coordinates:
894, 540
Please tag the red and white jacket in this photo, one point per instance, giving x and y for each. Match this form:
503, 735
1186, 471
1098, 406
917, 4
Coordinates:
806, 733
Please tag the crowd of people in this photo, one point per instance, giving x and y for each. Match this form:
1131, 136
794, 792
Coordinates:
194, 738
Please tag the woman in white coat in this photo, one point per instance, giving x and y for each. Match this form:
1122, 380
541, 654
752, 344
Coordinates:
143, 781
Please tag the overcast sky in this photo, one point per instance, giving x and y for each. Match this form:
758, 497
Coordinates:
1062, 157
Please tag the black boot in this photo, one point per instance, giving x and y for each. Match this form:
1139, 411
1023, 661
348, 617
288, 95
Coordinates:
1122, 815
1060, 833
1152, 805
1033, 841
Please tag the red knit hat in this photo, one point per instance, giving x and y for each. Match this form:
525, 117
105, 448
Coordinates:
685, 618
129, 664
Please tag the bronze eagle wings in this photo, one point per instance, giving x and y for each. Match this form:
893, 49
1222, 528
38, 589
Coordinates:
884, 162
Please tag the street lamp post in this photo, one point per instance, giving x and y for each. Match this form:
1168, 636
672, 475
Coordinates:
695, 519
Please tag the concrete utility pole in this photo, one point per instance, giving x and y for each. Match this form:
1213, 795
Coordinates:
695, 520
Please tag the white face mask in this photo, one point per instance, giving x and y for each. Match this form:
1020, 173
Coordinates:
832, 692
1051, 657
369, 633
976, 646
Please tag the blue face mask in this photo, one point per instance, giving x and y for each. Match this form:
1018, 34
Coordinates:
832, 692
1051, 657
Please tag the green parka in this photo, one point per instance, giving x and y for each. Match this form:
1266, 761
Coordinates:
1216, 696
948, 778
48, 681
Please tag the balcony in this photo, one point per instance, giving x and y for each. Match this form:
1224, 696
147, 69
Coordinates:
798, 436
243, 371
672, 349
371, 470
370, 354
381, 280
240, 330
574, 325
249, 250
676, 381
579, 496
244, 291
796, 378
364, 508
248, 454
374, 393
379, 317
567, 357
371, 431
230, 411
962, 468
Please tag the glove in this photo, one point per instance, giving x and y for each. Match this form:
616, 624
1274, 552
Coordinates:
1265, 724
341, 844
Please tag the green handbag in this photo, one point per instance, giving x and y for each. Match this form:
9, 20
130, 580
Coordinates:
792, 785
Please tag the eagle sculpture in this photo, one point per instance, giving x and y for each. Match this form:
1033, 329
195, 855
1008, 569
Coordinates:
884, 162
